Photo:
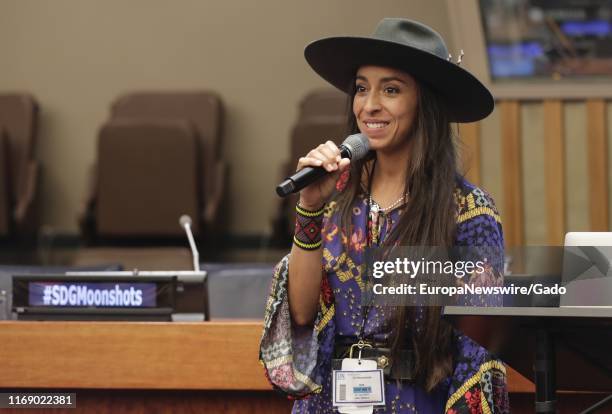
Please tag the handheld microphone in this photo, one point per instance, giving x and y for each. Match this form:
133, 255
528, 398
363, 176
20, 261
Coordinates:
355, 147
185, 222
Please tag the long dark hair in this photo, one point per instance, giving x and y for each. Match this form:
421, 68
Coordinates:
427, 220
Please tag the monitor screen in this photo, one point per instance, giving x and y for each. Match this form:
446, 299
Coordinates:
542, 39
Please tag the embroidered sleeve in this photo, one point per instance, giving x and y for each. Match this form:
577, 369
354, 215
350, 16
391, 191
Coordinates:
479, 232
291, 355
478, 383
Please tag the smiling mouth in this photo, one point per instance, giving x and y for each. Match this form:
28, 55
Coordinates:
376, 125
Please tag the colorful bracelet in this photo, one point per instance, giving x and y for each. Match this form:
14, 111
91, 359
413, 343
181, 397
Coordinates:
308, 226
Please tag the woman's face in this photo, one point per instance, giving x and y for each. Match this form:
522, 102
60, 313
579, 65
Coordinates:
385, 105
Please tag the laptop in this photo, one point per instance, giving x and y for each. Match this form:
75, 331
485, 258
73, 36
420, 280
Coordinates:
587, 269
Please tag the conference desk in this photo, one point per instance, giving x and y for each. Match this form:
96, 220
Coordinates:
143, 367
140, 366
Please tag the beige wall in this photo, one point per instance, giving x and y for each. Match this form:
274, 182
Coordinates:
76, 56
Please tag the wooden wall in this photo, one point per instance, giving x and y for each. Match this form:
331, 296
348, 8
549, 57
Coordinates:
546, 164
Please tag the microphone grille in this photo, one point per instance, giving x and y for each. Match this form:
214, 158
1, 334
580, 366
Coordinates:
185, 220
358, 144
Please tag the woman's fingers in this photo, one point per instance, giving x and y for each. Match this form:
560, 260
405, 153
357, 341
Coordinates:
331, 150
325, 155
342, 166
327, 162
331, 154
308, 161
331, 146
344, 163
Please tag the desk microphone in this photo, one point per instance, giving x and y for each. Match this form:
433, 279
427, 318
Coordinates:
355, 147
185, 222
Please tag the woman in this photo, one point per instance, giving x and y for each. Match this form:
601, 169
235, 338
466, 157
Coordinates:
405, 93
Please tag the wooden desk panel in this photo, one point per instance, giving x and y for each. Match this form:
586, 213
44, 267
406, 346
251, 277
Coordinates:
132, 355
141, 355
137, 367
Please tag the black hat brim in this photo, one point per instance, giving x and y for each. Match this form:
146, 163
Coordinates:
337, 59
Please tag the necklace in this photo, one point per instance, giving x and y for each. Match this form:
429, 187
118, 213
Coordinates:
376, 208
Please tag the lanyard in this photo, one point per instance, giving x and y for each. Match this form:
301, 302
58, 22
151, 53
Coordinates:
371, 227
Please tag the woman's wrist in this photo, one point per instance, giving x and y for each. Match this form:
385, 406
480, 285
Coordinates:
308, 227
310, 206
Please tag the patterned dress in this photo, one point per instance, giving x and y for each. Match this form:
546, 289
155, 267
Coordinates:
297, 360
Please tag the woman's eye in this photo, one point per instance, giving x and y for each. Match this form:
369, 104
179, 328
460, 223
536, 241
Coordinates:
391, 90
360, 88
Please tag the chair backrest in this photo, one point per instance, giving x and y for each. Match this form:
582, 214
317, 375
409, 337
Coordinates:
203, 109
5, 195
326, 104
307, 135
18, 118
147, 178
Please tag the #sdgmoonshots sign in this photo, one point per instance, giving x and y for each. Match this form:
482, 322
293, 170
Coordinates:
93, 294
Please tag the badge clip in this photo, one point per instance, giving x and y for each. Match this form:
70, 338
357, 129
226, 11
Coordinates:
360, 345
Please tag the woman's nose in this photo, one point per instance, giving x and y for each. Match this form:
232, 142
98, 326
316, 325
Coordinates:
372, 102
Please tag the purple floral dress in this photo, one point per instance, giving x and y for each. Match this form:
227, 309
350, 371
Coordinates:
297, 360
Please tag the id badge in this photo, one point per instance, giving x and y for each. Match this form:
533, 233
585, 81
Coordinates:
358, 386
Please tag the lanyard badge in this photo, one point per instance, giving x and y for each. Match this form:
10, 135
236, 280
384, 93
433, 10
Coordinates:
359, 385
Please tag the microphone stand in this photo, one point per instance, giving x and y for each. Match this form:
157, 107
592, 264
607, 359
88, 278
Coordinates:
185, 222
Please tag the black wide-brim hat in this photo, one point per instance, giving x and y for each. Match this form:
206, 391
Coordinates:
409, 46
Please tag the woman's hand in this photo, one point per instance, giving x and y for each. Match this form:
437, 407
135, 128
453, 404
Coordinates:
327, 156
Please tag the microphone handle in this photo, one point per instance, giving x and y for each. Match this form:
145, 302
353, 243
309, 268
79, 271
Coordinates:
306, 176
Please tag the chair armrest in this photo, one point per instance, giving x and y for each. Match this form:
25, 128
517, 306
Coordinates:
27, 195
214, 197
5, 195
25, 200
86, 214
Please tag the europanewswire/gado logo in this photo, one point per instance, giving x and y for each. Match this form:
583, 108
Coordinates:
481, 276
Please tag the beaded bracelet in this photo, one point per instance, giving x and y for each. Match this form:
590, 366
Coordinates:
308, 226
